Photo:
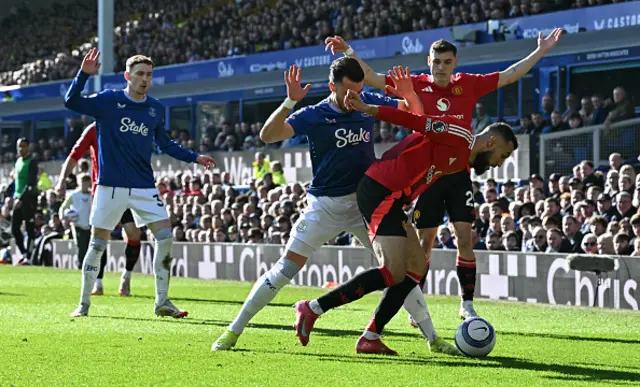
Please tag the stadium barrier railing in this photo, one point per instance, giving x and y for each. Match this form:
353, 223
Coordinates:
560, 151
512, 276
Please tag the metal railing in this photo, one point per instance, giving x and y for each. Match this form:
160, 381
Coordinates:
561, 151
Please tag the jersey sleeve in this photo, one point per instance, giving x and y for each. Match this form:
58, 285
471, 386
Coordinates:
302, 120
380, 100
446, 130
74, 100
81, 147
484, 83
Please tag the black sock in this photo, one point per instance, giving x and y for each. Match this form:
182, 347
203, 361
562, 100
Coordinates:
132, 252
467, 277
103, 263
354, 289
391, 302
424, 279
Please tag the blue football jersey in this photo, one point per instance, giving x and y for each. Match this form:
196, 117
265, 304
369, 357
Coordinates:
341, 144
127, 130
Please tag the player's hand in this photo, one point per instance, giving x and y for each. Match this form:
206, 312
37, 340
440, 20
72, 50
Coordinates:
207, 161
90, 64
60, 191
353, 101
295, 91
17, 204
403, 86
548, 43
336, 44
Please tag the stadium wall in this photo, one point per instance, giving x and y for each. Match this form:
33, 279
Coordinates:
509, 276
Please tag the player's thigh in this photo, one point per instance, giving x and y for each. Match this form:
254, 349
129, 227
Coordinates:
309, 233
459, 198
391, 252
148, 208
107, 207
416, 261
428, 211
129, 226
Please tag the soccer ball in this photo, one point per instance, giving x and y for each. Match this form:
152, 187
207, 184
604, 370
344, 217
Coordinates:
475, 337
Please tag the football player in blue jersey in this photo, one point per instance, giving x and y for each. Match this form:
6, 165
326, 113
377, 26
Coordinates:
341, 148
129, 125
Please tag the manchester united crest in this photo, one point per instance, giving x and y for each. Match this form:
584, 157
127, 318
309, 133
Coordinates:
416, 215
456, 90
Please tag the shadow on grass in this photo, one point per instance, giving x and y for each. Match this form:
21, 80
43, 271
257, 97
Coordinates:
11, 294
214, 301
570, 337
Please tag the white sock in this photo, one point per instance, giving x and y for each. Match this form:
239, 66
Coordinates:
90, 268
126, 274
161, 266
370, 335
263, 292
417, 308
99, 282
315, 307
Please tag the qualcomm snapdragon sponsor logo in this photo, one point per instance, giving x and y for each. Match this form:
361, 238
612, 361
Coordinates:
312, 61
617, 22
350, 137
225, 70
129, 125
258, 67
410, 46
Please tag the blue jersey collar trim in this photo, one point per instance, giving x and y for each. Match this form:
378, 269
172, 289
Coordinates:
134, 100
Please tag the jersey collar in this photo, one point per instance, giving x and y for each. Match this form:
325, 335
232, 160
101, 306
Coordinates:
134, 100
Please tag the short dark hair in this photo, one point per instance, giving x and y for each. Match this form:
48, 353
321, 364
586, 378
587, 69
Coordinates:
138, 59
345, 67
505, 131
525, 116
441, 46
23, 139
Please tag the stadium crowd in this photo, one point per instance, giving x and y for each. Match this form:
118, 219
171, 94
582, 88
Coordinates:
589, 211
197, 30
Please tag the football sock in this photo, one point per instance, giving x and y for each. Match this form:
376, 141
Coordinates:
103, 263
264, 291
90, 268
354, 289
132, 253
391, 302
162, 264
419, 312
466, 270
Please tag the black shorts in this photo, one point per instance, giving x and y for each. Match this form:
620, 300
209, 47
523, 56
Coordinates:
381, 209
127, 217
451, 192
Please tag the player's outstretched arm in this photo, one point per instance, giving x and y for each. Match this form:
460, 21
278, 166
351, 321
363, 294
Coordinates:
80, 148
73, 99
519, 69
371, 78
276, 128
442, 129
403, 88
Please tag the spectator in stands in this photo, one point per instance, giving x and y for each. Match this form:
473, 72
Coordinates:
598, 225
615, 161
539, 123
557, 124
548, 107
575, 120
481, 120
589, 175
600, 111
556, 243
445, 241
494, 241
590, 244
538, 241
526, 125
511, 242
605, 244
624, 207
622, 244
573, 106
586, 111
571, 230
605, 208
261, 166
278, 173
622, 109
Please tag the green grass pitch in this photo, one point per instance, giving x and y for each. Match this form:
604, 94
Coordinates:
122, 343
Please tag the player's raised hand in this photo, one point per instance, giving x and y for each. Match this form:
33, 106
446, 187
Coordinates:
292, 77
548, 43
90, 64
59, 189
353, 101
207, 161
403, 86
336, 44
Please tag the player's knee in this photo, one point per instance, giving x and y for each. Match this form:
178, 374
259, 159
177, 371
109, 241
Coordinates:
287, 267
398, 272
98, 244
132, 232
427, 238
298, 251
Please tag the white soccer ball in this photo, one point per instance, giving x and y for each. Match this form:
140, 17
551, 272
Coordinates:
71, 215
475, 337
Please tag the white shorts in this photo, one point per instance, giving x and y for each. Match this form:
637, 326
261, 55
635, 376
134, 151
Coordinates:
109, 203
326, 217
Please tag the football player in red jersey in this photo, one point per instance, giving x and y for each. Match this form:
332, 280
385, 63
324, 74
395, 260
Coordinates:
441, 147
88, 141
443, 92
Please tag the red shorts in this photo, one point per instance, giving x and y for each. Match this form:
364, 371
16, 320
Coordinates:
381, 208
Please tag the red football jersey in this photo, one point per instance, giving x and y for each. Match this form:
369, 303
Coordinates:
458, 98
442, 148
88, 141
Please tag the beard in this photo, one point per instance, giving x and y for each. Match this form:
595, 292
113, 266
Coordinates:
481, 163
